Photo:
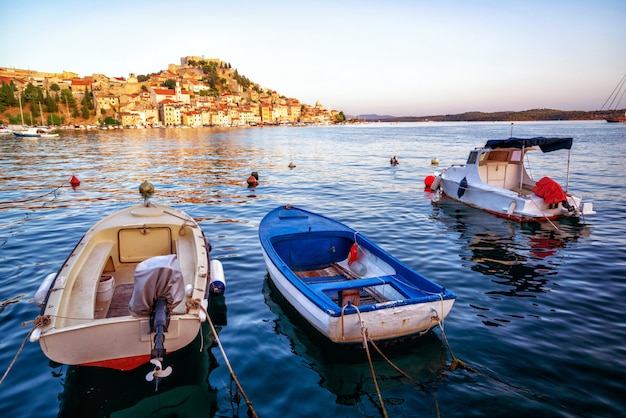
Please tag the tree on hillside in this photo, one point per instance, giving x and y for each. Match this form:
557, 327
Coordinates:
68, 98
7, 96
170, 84
50, 104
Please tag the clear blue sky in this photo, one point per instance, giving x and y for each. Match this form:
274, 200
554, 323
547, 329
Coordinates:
393, 57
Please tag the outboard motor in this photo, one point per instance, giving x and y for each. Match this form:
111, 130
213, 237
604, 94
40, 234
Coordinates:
159, 321
158, 288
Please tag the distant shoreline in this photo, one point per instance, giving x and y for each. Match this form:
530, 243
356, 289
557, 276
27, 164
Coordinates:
503, 116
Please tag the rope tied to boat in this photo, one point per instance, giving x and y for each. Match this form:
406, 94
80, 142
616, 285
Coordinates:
365, 336
251, 411
39, 321
30, 199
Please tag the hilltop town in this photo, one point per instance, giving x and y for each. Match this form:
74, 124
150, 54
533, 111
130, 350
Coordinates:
197, 92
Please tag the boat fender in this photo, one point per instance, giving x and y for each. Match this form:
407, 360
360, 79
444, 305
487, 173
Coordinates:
512, 206
40, 295
201, 313
355, 266
462, 186
35, 335
217, 285
428, 181
353, 255
436, 183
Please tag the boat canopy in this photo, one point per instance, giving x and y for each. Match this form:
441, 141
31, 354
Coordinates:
546, 144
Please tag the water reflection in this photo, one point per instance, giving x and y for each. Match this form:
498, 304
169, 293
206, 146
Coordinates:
190, 166
346, 372
519, 256
99, 392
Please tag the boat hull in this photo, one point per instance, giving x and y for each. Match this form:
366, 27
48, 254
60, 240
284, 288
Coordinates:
80, 324
403, 313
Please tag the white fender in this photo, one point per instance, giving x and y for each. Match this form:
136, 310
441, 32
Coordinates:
217, 285
201, 313
40, 295
34, 336
436, 182
512, 207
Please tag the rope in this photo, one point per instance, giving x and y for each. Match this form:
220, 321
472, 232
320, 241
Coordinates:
39, 321
545, 216
369, 359
251, 411
34, 197
396, 368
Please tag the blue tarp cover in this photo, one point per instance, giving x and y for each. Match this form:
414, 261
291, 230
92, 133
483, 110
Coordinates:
546, 144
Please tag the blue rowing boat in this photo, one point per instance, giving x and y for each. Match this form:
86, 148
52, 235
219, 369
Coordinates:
343, 284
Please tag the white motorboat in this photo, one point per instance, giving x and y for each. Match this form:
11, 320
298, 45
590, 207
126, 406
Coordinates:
495, 179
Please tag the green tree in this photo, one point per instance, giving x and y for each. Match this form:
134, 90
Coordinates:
54, 119
170, 84
51, 104
340, 117
110, 121
7, 96
87, 101
68, 98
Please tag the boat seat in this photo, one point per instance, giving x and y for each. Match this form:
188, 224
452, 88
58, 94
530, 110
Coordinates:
85, 287
350, 284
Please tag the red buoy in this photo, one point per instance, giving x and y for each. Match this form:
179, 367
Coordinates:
74, 181
252, 181
428, 181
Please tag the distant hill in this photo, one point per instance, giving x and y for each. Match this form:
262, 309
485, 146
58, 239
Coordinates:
525, 115
372, 117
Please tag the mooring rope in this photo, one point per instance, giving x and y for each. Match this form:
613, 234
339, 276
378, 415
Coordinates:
39, 321
544, 215
8, 202
396, 368
364, 334
251, 411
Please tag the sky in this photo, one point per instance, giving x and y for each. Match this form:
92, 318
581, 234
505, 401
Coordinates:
391, 57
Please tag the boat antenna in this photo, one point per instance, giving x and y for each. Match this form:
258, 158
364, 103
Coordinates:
569, 153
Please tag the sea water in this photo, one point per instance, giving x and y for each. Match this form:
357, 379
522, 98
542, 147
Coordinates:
538, 323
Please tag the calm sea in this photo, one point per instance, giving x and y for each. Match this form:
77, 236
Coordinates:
539, 320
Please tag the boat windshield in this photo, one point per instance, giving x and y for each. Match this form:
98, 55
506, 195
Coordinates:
472, 157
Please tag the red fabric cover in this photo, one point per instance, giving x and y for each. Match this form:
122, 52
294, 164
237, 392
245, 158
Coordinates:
550, 190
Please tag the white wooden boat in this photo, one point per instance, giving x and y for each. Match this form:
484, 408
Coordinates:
495, 179
134, 288
339, 280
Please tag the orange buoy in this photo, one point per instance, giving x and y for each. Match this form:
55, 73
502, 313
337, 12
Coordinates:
252, 181
74, 181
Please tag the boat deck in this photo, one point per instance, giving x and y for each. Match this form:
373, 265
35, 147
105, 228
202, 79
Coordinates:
118, 305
